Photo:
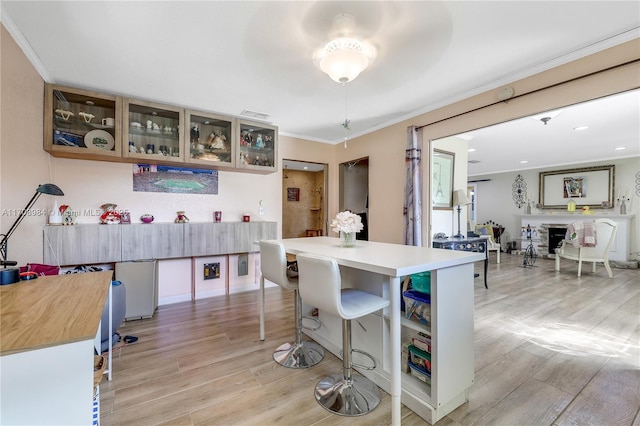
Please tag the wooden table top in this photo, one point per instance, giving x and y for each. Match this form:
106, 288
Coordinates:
51, 310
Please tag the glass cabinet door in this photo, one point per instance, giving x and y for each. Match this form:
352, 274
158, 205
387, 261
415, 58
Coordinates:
81, 124
210, 139
152, 132
257, 149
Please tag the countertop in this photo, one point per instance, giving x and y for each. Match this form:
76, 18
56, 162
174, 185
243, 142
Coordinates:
51, 310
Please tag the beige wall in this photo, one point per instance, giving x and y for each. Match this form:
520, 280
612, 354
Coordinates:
88, 184
23, 163
594, 76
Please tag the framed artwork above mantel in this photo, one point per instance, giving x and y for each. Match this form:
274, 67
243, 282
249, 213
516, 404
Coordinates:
587, 186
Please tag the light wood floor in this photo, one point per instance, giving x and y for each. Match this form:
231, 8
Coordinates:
551, 349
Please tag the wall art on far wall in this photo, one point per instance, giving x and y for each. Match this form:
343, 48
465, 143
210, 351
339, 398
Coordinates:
293, 194
177, 180
442, 181
589, 186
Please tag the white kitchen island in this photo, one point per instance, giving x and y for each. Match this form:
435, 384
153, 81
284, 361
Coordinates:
378, 268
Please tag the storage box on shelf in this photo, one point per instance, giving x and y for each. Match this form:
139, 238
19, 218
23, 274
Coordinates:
211, 139
257, 148
153, 132
82, 124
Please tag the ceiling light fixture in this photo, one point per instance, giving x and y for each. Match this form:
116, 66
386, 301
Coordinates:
545, 117
345, 56
579, 128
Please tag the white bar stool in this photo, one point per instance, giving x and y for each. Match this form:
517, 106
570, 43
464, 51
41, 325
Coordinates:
299, 354
320, 285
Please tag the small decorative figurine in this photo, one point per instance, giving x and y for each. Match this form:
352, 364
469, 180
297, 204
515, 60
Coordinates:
125, 217
146, 218
109, 216
68, 215
216, 140
195, 132
182, 218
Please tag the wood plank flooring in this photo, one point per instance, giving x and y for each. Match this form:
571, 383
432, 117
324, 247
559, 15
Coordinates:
551, 349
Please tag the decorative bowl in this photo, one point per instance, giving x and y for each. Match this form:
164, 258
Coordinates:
146, 218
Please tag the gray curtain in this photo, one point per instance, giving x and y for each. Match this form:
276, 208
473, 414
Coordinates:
413, 188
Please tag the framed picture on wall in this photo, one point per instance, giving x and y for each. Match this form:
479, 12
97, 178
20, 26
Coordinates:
293, 194
589, 186
442, 179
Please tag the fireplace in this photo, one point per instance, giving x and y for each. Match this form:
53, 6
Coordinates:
556, 235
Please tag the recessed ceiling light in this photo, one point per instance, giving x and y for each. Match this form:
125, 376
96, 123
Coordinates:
471, 150
577, 129
524, 161
620, 148
306, 168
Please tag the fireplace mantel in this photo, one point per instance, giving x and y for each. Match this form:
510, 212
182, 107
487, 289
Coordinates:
621, 246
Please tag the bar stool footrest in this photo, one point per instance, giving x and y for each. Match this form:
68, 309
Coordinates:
315, 320
364, 367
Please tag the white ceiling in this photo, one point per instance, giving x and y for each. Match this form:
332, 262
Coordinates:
230, 56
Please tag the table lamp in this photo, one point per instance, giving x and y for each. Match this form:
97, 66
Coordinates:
8, 273
460, 199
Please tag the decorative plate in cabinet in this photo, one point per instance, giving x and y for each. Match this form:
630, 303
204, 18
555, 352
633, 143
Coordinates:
210, 139
82, 124
257, 146
152, 132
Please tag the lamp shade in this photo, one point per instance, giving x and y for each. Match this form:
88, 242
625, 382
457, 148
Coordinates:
49, 189
460, 198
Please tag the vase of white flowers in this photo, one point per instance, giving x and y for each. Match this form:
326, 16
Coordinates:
347, 224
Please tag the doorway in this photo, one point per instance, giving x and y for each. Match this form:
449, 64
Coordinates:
354, 191
304, 199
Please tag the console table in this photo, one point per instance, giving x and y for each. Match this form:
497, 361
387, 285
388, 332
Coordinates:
475, 244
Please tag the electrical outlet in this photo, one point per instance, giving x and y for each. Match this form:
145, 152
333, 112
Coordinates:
211, 271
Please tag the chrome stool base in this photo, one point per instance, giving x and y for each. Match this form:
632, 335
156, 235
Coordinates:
303, 355
354, 397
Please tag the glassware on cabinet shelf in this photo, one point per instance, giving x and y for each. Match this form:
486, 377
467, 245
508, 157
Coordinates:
153, 131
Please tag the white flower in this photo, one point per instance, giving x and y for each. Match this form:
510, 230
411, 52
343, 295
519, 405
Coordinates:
347, 222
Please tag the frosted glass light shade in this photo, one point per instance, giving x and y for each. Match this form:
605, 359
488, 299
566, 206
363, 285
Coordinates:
343, 59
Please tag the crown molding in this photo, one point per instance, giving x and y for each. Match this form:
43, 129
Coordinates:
24, 45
